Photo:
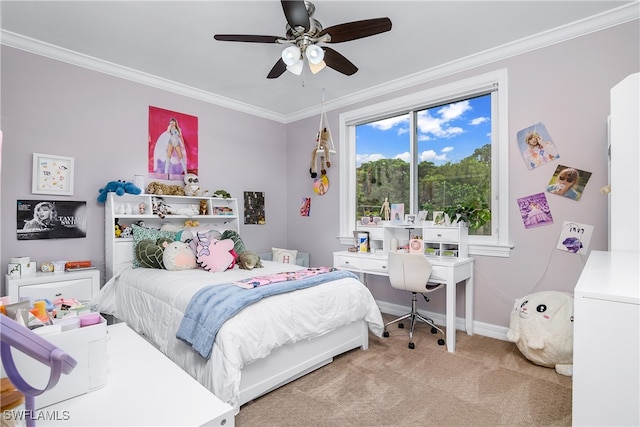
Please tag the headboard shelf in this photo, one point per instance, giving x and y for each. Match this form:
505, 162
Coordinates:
222, 214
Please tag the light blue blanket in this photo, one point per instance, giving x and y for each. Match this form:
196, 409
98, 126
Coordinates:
213, 305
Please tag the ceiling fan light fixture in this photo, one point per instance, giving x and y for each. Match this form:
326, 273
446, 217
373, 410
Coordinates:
314, 54
291, 55
316, 68
296, 68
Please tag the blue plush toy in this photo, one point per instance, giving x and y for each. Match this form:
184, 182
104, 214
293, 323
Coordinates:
118, 187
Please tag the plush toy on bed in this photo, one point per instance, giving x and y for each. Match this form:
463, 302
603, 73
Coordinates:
118, 187
178, 256
150, 254
248, 260
214, 255
541, 325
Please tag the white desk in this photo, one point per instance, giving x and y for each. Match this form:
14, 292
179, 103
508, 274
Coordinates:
144, 388
450, 271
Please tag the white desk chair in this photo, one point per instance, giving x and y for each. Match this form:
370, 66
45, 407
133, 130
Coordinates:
411, 272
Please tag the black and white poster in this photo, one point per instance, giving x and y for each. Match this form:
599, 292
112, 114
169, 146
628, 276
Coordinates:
45, 219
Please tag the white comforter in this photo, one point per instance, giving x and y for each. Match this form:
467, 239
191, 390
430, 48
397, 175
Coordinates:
152, 302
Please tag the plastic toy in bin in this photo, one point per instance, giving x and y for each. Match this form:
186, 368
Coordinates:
12, 334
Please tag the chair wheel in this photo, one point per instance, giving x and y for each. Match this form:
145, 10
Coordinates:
434, 331
385, 334
400, 325
412, 345
440, 341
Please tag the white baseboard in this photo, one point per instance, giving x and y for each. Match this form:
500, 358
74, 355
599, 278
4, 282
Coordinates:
479, 328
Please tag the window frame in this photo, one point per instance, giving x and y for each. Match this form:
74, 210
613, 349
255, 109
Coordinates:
496, 245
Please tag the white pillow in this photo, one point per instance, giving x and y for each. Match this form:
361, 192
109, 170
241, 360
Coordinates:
287, 256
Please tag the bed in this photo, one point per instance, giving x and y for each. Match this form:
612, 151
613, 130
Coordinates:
264, 346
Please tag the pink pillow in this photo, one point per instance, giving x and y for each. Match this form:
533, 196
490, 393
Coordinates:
213, 255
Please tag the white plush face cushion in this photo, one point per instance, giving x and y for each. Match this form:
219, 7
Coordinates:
287, 256
144, 233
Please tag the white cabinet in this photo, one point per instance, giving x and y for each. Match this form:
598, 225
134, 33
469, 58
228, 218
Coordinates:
624, 202
606, 341
81, 285
218, 214
438, 241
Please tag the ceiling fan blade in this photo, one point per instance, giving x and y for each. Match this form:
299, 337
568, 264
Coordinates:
296, 14
338, 62
277, 70
246, 38
357, 29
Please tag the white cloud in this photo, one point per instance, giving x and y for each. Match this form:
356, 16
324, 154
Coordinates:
478, 120
365, 158
403, 156
447, 149
389, 123
430, 155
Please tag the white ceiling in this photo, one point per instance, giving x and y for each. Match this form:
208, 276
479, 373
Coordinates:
170, 43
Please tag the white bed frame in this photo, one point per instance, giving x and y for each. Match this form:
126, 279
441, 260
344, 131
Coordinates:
283, 365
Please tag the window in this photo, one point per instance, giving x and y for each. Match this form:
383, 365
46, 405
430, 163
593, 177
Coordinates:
429, 150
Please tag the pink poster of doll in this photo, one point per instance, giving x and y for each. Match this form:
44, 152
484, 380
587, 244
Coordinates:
534, 211
173, 144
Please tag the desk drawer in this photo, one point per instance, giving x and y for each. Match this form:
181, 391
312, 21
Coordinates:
347, 262
374, 265
439, 273
441, 235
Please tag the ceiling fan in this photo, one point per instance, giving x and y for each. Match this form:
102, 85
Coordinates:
304, 33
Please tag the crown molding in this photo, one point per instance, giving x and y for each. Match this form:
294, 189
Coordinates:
611, 18
580, 28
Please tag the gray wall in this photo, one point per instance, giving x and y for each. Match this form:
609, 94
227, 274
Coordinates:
565, 86
55, 108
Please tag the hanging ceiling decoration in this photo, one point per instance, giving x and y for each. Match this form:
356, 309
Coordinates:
303, 36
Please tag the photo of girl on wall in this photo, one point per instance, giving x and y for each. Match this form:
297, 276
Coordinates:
534, 211
173, 144
44, 219
568, 182
536, 146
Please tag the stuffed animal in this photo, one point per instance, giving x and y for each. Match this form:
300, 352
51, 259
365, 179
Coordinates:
248, 260
178, 256
322, 147
204, 209
541, 325
161, 189
118, 187
222, 194
149, 253
191, 223
159, 207
192, 185
214, 255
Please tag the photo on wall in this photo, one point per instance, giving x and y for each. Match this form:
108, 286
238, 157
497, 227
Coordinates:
45, 219
254, 207
568, 182
536, 146
172, 144
534, 211
575, 237
305, 206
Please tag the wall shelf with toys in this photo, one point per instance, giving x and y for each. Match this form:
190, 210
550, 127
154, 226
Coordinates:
155, 211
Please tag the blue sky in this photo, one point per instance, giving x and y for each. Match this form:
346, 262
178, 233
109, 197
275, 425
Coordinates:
448, 133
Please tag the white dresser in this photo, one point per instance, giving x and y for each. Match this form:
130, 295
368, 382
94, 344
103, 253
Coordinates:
606, 341
144, 388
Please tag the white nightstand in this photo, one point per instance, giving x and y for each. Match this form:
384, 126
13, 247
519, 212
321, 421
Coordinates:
144, 388
82, 285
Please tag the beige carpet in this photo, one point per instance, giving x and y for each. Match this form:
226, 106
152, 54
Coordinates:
487, 382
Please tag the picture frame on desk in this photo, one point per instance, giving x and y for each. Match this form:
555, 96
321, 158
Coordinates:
52, 175
410, 219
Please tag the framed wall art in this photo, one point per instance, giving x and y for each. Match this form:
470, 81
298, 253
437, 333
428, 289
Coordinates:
52, 175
